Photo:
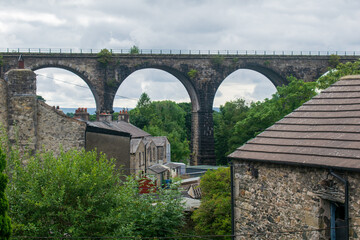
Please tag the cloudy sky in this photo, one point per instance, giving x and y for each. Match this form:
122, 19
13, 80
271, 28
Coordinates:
326, 25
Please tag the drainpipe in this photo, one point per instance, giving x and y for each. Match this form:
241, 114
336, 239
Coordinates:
346, 205
232, 201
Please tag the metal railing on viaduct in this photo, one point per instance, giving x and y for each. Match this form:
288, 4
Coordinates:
201, 73
182, 52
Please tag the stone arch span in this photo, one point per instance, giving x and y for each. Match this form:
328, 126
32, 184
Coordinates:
236, 79
184, 80
81, 74
269, 73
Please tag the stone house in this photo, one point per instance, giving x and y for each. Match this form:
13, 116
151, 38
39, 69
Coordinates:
34, 125
163, 154
145, 150
159, 173
299, 178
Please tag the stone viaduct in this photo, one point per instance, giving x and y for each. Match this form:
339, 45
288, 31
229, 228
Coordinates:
208, 72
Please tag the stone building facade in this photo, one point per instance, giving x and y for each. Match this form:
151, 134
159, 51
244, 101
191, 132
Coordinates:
33, 125
299, 178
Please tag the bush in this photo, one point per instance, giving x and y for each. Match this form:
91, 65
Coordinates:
104, 57
5, 223
214, 214
134, 50
78, 194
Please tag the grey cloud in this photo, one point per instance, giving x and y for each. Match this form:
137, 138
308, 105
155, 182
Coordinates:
193, 24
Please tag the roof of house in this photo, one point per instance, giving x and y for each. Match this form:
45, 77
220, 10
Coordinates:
158, 140
121, 126
323, 132
158, 168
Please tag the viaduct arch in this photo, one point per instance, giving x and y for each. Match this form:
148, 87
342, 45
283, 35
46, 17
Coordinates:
210, 70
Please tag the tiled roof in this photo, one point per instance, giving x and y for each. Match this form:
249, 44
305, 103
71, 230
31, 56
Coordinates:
158, 140
324, 132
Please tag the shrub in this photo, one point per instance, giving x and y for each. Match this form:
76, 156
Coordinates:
78, 194
134, 50
104, 57
5, 223
192, 73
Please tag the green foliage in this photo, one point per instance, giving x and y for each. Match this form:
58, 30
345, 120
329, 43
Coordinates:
79, 194
187, 107
134, 50
164, 118
5, 222
192, 73
334, 60
69, 114
144, 101
217, 61
349, 68
104, 57
262, 115
224, 123
40, 98
236, 123
1, 61
214, 214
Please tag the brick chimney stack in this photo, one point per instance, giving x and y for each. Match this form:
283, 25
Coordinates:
21, 64
104, 116
82, 114
124, 115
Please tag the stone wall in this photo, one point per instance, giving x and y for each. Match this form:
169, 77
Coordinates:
283, 202
55, 130
22, 108
137, 159
32, 124
3, 104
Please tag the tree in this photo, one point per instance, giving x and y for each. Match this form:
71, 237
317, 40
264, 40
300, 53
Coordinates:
164, 118
224, 123
334, 74
79, 194
262, 115
214, 214
187, 107
5, 222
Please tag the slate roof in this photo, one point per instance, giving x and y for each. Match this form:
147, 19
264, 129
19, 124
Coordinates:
121, 126
158, 168
323, 132
158, 140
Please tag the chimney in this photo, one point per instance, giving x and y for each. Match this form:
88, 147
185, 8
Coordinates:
124, 115
21, 64
82, 114
104, 116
